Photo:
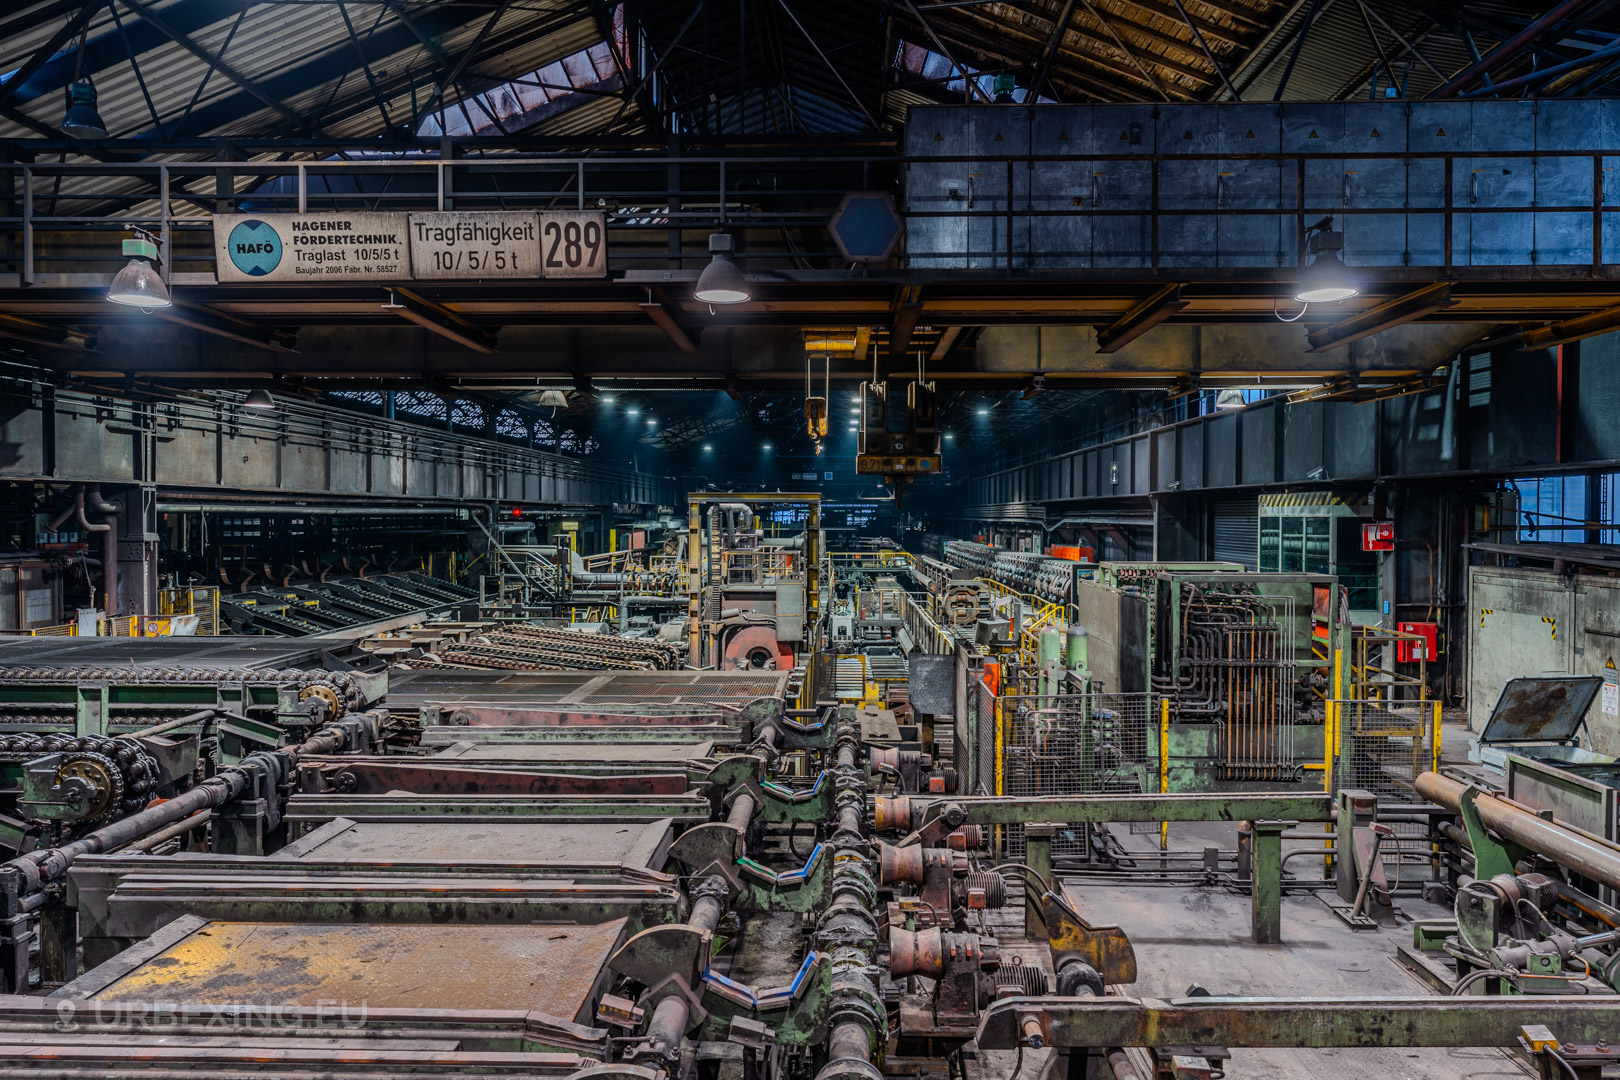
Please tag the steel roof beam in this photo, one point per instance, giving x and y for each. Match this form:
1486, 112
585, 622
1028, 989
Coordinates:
412, 307
1153, 310
15, 326
1535, 30
968, 77
182, 39
209, 321
670, 323
1010, 30
1059, 28
1198, 36
1562, 333
1403, 309
69, 30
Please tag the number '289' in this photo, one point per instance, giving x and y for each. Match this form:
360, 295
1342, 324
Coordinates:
572, 244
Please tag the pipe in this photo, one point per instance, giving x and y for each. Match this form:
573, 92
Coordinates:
170, 725
1586, 855
109, 541
1123, 1069
578, 573
61, 519
50, 864
1531, 32
671, 1015
179, 828
92, 495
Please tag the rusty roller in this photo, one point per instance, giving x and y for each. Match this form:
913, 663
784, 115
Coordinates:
1587, 855
929, 952
893, 812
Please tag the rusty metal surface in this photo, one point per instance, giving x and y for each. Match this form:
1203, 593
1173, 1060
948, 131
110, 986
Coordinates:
415, 688
378, 776
502, 841
1543, 708
655, 753
476, 715
550, 969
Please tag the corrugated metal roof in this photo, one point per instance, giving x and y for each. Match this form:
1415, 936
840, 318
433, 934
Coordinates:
302, 55
761, 67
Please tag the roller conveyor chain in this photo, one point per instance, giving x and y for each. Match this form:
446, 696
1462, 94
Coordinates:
131, 772
521, 647
339, 682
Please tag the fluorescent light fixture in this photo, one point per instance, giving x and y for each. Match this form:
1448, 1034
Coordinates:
984, 412
633, 412
722, 281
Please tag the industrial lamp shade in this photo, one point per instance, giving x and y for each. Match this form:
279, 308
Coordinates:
1326, 280
258, 399
139, 285
553, 399
722, 281
1229, 399
82, 121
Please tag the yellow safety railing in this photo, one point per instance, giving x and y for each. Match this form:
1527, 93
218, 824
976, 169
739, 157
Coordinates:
740, 566
882, 559
64, 630
926, 632
199, 600
1043, 615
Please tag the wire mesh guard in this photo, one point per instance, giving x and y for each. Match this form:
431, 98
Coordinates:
1381, 747
1075, 744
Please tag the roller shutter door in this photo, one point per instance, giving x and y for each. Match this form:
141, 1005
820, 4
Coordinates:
1237, 532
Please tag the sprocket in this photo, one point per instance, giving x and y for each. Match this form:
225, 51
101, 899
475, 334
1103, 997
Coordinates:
103, 775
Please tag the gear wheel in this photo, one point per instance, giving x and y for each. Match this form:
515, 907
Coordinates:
106, 781
334, 705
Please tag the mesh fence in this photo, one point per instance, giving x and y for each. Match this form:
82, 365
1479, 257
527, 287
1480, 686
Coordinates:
1076, 744
1381, 747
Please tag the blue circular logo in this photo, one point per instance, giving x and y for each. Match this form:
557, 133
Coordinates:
254, 247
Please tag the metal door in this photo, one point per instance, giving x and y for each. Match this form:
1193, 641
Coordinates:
1565, 237
1246, 183
1436, 127
1375, 127
1122, 239
1491, 181
1060, 190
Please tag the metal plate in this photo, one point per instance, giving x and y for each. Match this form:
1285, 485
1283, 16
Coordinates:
575, 751
632, 844
1543, 708
550, 969
932, 684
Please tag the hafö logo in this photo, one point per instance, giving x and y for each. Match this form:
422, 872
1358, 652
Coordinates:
254, 247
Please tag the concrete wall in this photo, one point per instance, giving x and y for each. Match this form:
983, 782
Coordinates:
1535, 622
